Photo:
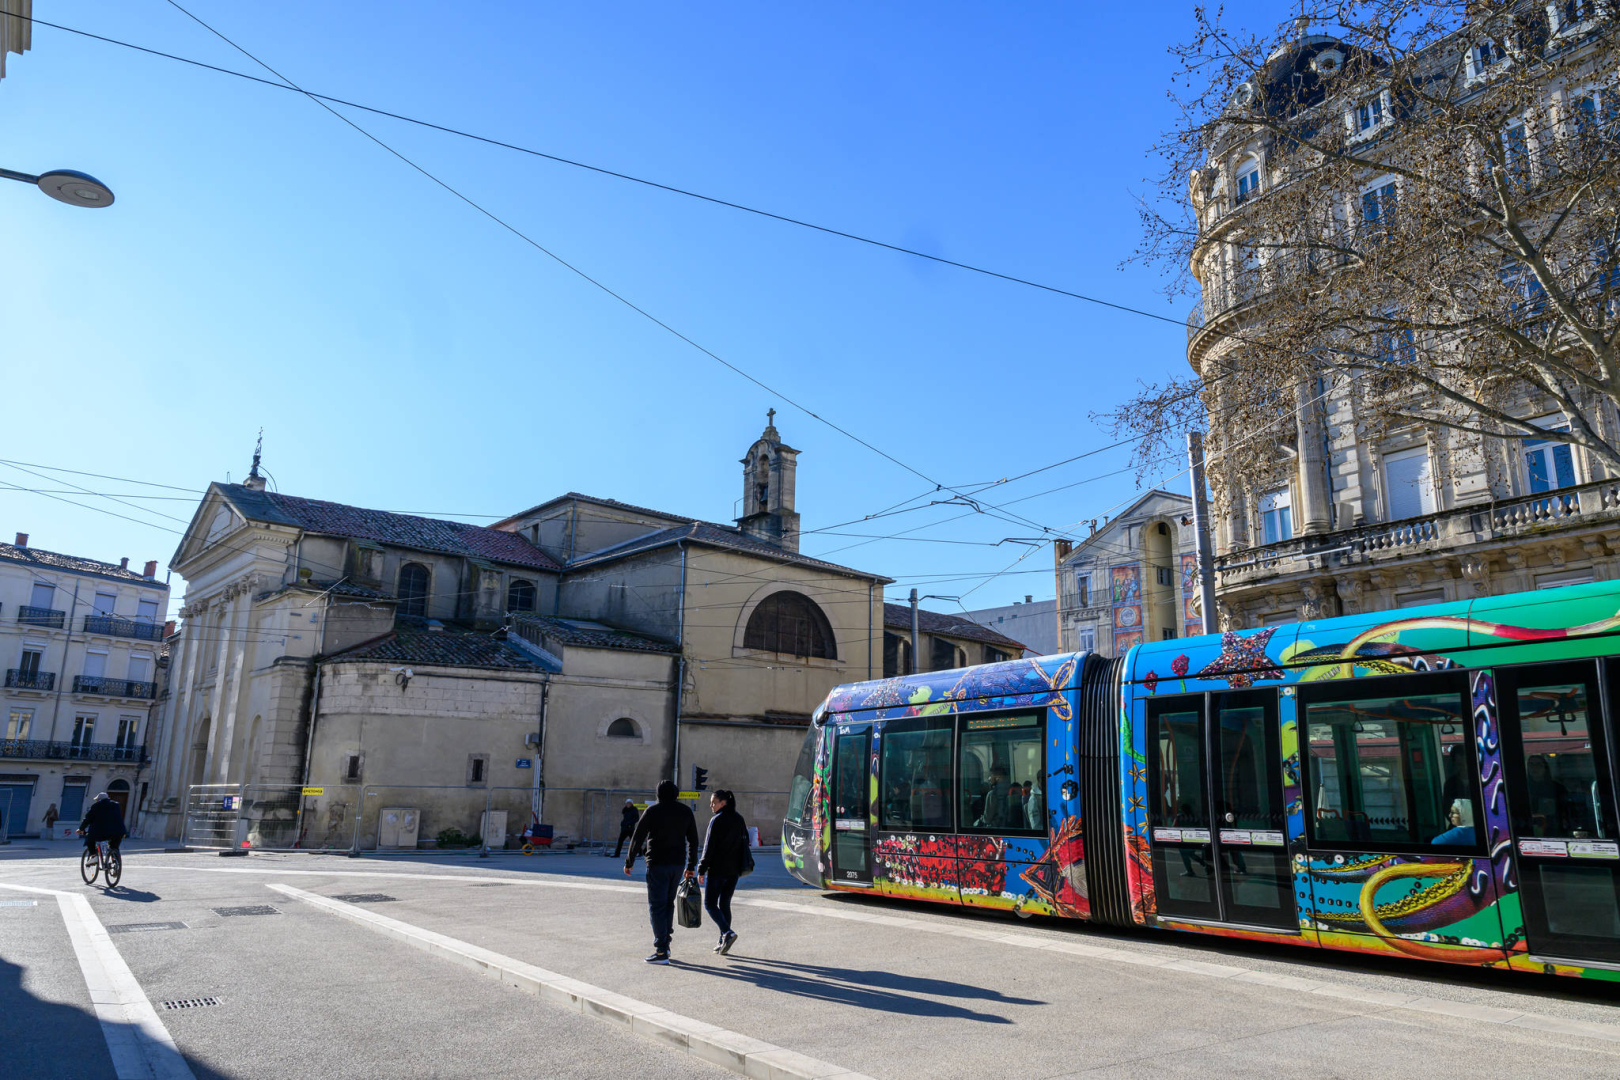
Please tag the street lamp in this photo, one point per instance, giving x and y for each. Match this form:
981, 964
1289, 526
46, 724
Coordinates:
67, 185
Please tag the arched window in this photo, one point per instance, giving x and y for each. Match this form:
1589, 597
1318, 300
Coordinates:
414, 580
790, 623
520, 596
622, 728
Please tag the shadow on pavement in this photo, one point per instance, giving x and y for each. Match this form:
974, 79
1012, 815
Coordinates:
134, 896
884, 991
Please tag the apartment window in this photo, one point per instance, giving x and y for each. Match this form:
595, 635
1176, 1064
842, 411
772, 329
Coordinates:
18, 723
1164, 575
351, 767
1527, 300
1568, 14
1409, 484
146, 611
1378, 206
1370, 113
32, 655
140, 668
1167, 633
1276, 517
1484, 56
84, 728
43, 596
95, 664
105, 603
1082, 590
1396, 344
1085, 638
1248, 182
128, 734
1516, 154
477, 769
1548, 465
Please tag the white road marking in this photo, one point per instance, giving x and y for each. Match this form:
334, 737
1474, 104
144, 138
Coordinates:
728, 1049
990, 933
140, 1046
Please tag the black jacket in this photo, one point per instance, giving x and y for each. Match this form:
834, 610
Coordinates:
669, 830
104, 821
724, 845
627, 820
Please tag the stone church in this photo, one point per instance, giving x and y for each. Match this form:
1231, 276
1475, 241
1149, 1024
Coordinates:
547, 666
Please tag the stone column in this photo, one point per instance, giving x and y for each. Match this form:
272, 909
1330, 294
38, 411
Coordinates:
231, 688
216, 697
1313, 493
181, 712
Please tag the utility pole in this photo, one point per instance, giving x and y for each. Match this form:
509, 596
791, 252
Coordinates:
1206, 566
914, 665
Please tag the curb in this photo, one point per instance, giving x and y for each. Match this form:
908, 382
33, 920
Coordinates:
738, 1053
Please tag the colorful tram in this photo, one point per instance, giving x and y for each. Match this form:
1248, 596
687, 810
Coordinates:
1437, 783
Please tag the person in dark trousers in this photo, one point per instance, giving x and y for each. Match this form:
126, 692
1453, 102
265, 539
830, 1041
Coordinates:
627, 825
669, 830
725, 847
103, 821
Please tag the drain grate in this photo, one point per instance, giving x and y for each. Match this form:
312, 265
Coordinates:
251, 909
364, 898
192, 1003
143, 927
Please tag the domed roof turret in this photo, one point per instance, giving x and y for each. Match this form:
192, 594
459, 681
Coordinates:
1301, 73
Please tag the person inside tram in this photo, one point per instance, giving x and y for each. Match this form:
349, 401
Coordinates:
897, 805
1015, 806
995, 801
1190, 855
1034, 807
1461, 833
1549, 799
1455, 786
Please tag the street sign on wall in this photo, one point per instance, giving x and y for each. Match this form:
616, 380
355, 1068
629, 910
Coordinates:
525, 763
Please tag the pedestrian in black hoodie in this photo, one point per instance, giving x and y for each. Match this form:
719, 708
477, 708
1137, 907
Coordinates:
669, 830
725, 849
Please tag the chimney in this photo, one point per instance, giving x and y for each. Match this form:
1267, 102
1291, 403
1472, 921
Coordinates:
123, 564
1028, 598
22, 539
168, 628
151, 569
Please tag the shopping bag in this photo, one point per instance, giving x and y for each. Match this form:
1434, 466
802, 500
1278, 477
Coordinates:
747, 861
689, 904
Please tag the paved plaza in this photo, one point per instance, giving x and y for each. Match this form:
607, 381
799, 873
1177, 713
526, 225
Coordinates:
293, 965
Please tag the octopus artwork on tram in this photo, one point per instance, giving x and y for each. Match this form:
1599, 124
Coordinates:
1459, 910
1022, 873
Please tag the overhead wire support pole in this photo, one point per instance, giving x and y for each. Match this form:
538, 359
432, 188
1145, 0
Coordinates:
1201, 523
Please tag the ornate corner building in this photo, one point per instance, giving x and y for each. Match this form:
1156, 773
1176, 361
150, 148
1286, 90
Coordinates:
1419, 516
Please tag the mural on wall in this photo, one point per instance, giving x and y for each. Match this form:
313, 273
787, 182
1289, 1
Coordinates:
1463, 910
1127, 584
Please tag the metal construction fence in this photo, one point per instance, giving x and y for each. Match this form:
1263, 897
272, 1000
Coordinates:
412, 817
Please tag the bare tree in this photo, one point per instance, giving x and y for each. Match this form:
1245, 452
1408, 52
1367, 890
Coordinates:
1416, 207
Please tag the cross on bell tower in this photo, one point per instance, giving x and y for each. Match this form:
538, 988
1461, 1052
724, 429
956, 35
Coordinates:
768, 489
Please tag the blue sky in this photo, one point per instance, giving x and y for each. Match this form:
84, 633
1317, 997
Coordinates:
265, 265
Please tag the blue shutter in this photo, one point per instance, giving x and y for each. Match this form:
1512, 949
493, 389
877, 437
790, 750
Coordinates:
1564, 465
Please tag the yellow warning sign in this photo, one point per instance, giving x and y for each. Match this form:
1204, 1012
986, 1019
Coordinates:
314, 791
691, 795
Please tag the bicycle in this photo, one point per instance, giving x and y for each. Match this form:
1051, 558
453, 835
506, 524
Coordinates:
102, 859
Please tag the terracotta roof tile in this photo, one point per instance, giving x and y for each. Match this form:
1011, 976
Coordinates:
55, 560
411, 644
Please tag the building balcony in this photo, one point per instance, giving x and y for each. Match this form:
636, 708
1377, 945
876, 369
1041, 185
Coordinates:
1554, 515
42, 749
40, 616
125, 688
18, 679
113, 626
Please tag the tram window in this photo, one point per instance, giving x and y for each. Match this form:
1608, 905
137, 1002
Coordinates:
1393, 772
915, 775
1177, 741
1560, 771
1002, 773
799, 792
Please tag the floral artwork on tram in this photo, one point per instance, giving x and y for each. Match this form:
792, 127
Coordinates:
1459, 910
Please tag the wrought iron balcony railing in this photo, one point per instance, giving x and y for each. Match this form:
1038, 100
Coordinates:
113, 626
129, 688
67, 751
18, 679
41, 616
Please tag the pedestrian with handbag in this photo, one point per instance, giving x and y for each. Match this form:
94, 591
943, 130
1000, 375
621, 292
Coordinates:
726, 857
669, 831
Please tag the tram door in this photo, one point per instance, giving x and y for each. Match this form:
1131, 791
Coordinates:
852, 805
1556, 750
1215, 785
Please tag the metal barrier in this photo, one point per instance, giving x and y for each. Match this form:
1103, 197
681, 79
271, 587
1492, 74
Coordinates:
211, 813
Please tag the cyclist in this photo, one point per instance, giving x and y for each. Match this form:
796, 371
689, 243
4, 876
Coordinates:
103, 821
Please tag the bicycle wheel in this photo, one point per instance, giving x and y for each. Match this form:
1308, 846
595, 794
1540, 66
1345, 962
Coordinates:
115, 869
89, 865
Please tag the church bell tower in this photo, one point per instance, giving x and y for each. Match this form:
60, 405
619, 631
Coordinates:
768, 480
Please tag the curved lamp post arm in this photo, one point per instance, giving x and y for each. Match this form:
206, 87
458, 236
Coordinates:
66, 185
